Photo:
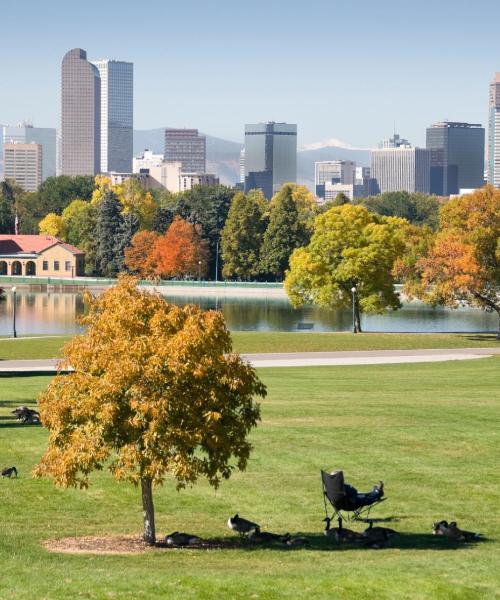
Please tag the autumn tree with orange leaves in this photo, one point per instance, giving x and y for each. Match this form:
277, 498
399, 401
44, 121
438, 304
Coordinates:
461, 263
155, 390
138, 254
180, 252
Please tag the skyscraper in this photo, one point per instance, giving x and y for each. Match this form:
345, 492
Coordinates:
401, 169
270, 156
117, 114
25, 133
23, 164
494, 133
457, 157
188, 147
80, 115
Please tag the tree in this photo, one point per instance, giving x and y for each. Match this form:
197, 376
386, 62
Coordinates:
155, 390
350, 247
108, 228
283, 235
54, 225
242, 235
7, 207
340, 199
80, 221
130, 225
137, 201
462, 262
417, 208
138, 254
180, 252
56, 193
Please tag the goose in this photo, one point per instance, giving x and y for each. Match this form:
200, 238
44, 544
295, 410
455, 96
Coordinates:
373, 532
261, 537
342, 535
9, 471
452, 531
241, 525
178, 538
296, 541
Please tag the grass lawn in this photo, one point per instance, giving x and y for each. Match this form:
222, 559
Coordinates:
429, 430
255, 342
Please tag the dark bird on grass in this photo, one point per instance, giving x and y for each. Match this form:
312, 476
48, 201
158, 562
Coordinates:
265, 537
296, 541
178, 538
345, 536
373, 532
9, 471
452, 531
242, 526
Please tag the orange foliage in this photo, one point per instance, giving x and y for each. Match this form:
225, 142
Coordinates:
137, 255
180, 252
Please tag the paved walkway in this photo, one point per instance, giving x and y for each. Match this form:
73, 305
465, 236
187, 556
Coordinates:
303, 359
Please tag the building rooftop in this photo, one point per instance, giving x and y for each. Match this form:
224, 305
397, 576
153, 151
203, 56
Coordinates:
31, 244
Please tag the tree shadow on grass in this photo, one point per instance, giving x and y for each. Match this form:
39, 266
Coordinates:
317, 542
482, 337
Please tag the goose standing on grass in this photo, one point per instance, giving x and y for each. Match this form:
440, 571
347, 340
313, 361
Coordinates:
242, 526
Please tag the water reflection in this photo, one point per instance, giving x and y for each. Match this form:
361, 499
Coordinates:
55, 313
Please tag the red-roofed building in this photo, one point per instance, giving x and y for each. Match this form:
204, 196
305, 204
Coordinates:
41, 255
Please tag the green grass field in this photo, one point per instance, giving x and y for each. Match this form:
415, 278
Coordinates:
429, 430
255, 342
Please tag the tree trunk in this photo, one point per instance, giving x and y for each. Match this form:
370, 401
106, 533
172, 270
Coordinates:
148, 511
357, 317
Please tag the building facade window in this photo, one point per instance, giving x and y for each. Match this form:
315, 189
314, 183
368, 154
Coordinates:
67, 266
56, 265
45, 265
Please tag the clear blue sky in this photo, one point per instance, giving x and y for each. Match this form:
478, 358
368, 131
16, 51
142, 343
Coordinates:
339, 69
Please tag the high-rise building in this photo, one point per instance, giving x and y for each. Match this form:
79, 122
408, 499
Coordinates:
270, 156
25, 133
333, 172
394, 142
117, 114
494, 133
188, 147
23, 164
242, 166
80, 115
146, 160
457, 157
400, 169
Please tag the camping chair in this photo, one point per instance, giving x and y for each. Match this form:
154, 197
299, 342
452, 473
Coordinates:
334, 491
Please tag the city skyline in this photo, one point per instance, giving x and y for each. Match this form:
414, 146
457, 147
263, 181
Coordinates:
229, 44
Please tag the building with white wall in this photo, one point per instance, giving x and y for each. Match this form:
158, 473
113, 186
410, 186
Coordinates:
402, 168
146, 160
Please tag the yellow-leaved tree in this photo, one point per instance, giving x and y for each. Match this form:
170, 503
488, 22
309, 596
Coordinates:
155, 390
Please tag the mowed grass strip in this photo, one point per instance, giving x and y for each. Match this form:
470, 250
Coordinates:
258, 342
429, 430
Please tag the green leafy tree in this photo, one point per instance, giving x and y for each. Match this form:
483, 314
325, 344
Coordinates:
7, 211
417, 208
350, 247
80, 221
108, 229
285, 232
340, 199
242, 236
130, 225
155, 391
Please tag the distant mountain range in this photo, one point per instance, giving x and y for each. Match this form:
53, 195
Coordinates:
223, 156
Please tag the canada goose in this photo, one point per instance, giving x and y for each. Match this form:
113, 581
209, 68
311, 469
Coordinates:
345, 536
297, 541
9, 471
327, 531
262, 537
373, 532
451, 530
241, 525
178, 538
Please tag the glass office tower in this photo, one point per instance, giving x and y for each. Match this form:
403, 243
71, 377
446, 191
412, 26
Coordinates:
270, 156
494, 133
457, 157
117, 115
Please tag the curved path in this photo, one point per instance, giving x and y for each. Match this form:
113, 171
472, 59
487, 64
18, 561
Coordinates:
303, 359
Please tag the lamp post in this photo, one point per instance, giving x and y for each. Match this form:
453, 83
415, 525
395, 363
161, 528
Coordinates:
14, 311
199, 270
354, 327
217, 262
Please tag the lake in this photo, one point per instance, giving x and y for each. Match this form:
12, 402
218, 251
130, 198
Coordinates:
56, 312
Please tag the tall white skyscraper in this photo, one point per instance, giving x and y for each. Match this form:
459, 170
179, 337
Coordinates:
494, 133
402, 168
117, 114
